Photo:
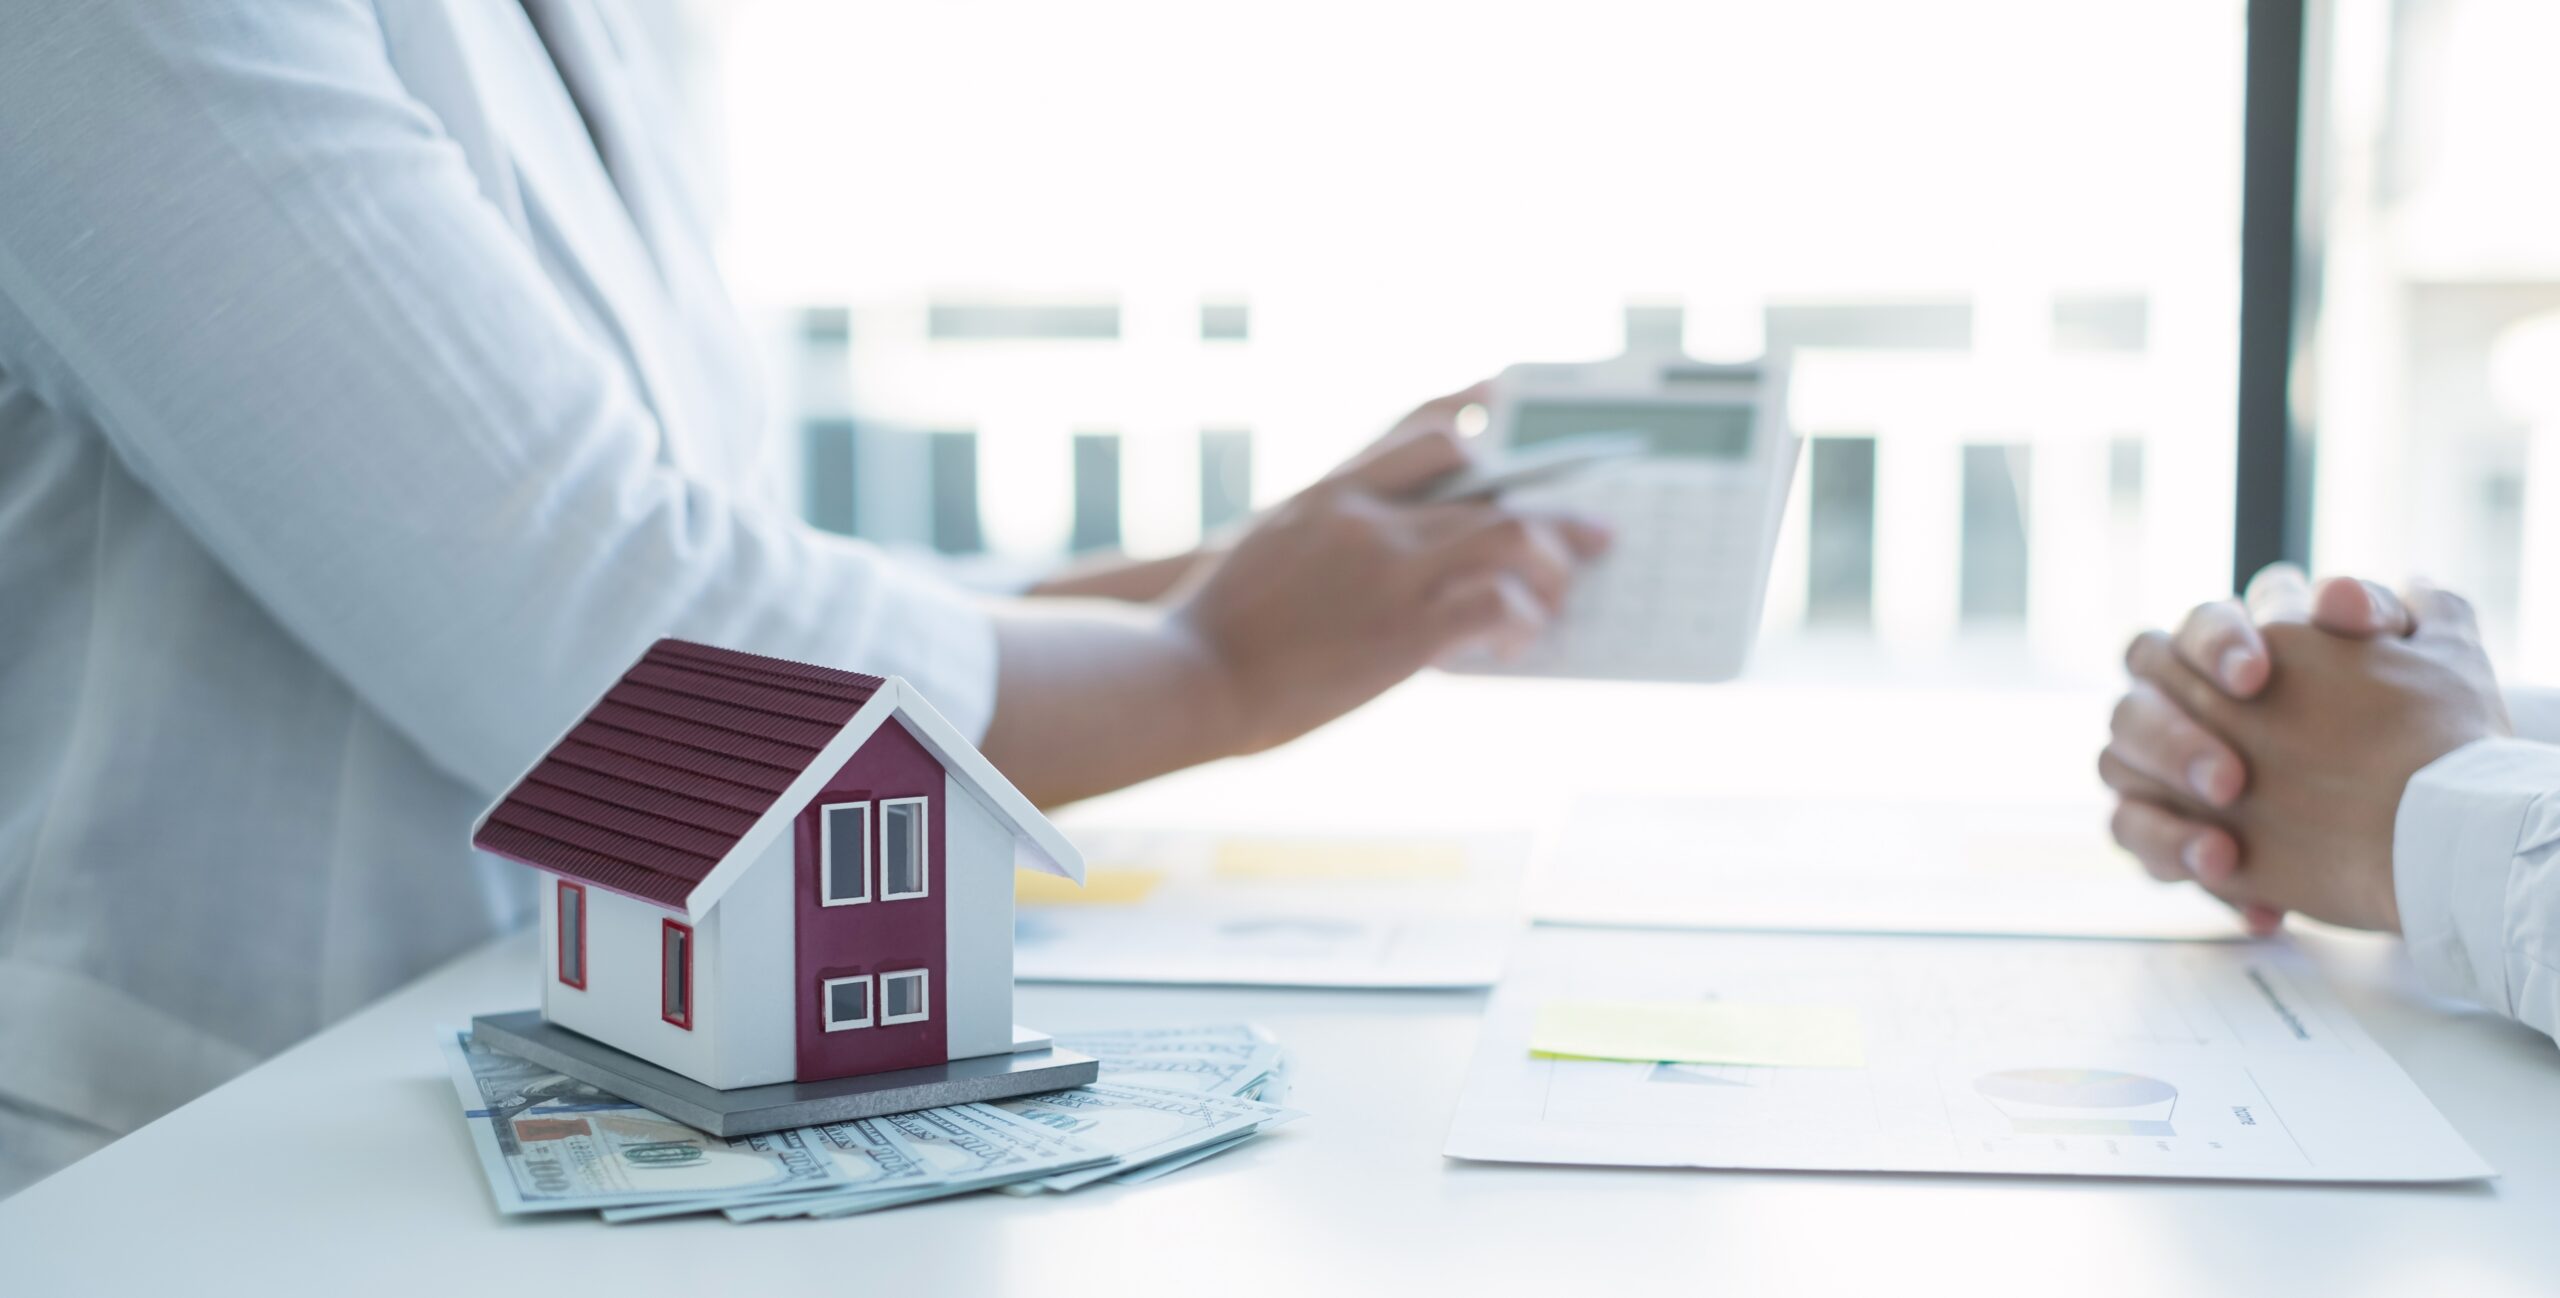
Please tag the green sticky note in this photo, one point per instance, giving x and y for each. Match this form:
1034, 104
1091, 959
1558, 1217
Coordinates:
1700, 1032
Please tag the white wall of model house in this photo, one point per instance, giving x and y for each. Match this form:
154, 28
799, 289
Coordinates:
977, 919
742, 994
745, 1005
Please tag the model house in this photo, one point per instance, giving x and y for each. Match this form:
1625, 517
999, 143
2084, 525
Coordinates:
764, 871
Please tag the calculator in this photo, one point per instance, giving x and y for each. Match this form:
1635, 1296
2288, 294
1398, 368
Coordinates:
1678, 596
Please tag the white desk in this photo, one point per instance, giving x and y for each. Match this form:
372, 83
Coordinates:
341, 1167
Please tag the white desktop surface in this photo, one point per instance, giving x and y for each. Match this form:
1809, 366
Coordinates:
341, 1167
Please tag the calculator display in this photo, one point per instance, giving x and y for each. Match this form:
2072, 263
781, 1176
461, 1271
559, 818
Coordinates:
1687, 431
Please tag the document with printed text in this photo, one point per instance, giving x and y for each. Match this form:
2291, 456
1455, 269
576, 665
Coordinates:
2219, 1060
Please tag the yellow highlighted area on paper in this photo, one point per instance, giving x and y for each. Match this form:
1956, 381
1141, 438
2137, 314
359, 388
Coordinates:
1700, 1032
1330, 859
1104, 885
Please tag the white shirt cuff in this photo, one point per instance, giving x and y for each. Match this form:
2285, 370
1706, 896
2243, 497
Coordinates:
941, 638
2468, 824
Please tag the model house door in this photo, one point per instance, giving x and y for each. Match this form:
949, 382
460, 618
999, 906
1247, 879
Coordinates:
869, 912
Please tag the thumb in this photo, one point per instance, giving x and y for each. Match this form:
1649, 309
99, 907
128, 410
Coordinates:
2440, 612
2359, 610
2279, 593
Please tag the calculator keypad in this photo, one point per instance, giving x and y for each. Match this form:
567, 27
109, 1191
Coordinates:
1675, 598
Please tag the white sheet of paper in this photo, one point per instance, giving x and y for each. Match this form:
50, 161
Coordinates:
1256, 948
1280, 910
2227, 1061
1857, 866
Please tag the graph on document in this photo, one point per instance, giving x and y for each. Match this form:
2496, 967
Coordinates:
2136, 1055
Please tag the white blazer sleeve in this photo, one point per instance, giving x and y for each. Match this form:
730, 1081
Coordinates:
234, 244
2476, 864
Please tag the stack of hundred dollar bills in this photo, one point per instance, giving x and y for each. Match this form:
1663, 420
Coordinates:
1167, 1098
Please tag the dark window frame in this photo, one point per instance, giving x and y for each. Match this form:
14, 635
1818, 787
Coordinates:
2271, 487
919, 823
570, 939
676, 991
830, 842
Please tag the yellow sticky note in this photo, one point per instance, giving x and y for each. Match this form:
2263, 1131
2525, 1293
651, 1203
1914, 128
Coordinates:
1340, 858
1700, 1032
1104, 885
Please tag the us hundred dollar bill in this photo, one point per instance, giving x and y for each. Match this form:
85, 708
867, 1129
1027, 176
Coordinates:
552, 1144
1138, 1125
1223, 1059
968, 1147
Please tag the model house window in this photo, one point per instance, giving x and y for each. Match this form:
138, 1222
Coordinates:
904, 997
675, 996
902, 849
573, 935
845, 1002
844, 853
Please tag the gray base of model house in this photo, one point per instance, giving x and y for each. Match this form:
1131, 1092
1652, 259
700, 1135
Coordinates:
1035, 1068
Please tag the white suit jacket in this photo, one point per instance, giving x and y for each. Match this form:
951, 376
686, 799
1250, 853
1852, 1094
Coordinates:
2475, 860
359, 423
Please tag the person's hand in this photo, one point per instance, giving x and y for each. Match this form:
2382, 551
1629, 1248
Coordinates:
2152, 738
2335, 728
1349, 587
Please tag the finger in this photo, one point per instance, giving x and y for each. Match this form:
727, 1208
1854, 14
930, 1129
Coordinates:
2359, 609
2204, 851
2258, 916
1586, 537
1489, 609
2128, 782
2171, 847
1526, 548
1523, 622
2279, 593
2440, 612
2221, 641
1403, 463
2153, 658
2154, 736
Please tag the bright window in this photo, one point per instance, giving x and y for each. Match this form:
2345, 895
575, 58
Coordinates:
573, 935
2427, 396
2008, 263
845, 1002
904, 857
675, 997
904, 997
844, 853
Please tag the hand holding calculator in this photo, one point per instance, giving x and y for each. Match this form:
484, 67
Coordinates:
1696, 507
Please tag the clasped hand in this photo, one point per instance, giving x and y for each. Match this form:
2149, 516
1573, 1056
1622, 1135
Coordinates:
2262, 749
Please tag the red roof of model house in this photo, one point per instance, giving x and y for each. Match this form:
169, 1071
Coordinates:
699, 757
671, 768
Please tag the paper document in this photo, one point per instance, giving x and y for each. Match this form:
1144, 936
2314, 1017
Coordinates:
1106, 886
1699, 1032
2156, 1059
1352, 860
1856, 866
1303, 910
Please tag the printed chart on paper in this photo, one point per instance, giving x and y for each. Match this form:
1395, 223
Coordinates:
2217, 1060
